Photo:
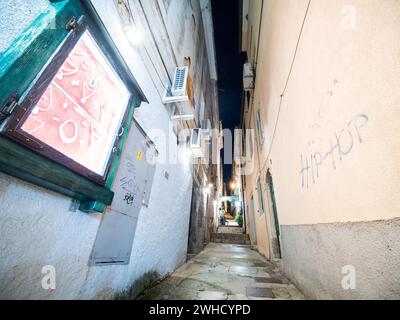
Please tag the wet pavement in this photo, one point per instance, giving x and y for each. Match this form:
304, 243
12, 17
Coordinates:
226, 272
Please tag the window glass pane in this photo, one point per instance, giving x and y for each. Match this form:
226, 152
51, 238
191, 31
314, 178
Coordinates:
81, 111
260, 197
260, 128
250, 141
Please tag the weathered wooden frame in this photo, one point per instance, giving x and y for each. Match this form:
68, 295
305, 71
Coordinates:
25, 72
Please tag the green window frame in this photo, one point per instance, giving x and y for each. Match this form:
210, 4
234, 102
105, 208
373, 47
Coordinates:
27, 68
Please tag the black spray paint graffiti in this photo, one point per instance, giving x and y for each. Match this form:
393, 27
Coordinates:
129, 198
339, 147
128, 184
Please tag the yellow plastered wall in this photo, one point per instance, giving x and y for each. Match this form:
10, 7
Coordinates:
340, 112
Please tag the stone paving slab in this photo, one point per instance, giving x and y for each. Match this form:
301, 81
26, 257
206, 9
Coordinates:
260, 292
226, 272
212, 295
268, 280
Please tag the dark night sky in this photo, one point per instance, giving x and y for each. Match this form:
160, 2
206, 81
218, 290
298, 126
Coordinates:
230, 64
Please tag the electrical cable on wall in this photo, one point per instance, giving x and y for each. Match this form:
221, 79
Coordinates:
288, 79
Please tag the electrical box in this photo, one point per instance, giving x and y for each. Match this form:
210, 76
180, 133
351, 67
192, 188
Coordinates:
248, 77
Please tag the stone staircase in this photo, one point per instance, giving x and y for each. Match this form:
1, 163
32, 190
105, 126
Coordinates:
230, 235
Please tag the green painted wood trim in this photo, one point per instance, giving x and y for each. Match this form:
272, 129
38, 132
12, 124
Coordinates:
94, 206
113, 171
48, 174
25, 58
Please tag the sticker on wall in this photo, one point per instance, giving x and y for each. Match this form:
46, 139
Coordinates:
139, 155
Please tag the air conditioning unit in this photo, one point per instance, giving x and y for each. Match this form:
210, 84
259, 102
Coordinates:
248, 77
196, 143
179, 87
181, 93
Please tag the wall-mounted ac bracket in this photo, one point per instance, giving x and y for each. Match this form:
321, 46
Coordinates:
182, 117
177, 116
168, 98
183, 106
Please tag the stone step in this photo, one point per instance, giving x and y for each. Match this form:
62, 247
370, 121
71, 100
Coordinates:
230, 238
235, 230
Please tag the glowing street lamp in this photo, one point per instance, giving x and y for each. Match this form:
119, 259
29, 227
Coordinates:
134, 35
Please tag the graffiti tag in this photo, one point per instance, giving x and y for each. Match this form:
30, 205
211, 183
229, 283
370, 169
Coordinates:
340, 146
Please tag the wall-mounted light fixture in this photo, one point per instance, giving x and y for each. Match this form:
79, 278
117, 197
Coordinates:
133, 33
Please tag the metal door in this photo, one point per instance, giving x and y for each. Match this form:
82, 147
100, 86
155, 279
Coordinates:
132, 187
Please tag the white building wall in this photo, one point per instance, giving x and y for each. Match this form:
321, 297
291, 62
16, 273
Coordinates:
38, 228
18, 14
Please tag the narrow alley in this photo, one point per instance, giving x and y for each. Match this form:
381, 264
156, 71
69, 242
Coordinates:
226, 272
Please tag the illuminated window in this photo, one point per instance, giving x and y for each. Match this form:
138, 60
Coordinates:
79, 117
260, 197
260, 129
81, 111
